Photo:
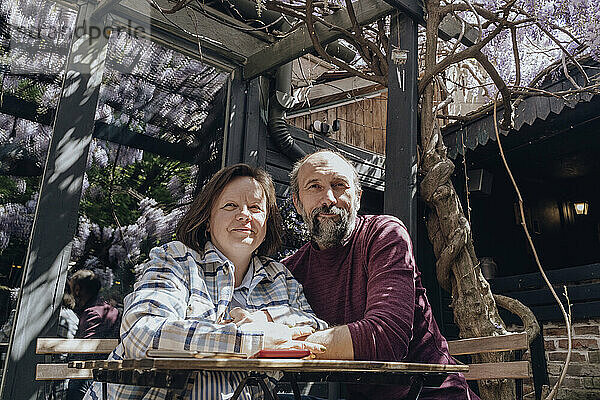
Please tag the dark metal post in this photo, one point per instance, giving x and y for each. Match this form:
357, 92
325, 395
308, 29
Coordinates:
400, 197
246, 139
235, 120
539, 367
55, 218
255, 141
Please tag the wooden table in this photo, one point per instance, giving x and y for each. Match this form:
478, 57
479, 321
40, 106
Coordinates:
173, 373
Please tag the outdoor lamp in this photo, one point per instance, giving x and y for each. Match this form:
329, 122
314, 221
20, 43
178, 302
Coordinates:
399, 56
581, 207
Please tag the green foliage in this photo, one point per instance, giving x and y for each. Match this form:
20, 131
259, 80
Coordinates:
29, 90
14, 254
127, 186
130, 184
9, 192
98, 208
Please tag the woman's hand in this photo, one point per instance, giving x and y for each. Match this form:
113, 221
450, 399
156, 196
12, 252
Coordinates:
279, 336
276, 336
241, 316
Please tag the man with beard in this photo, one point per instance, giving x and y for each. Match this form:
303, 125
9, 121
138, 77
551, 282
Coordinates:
359, 275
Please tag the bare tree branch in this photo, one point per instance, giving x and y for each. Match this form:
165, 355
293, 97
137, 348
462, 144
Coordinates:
532, 327
515, 46
455, 58
323, 54
500, 84
559, 44
566, 72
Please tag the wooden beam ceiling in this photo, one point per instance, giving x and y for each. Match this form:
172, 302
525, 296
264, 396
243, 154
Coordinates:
221, 35
212, 31
298, 43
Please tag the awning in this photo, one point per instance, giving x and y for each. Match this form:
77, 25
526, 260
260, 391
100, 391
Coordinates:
461, 136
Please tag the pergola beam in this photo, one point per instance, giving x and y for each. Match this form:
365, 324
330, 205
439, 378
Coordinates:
414, 8
202, 31
125, 137
55, 219
103, 8
450, 26
350, 84
298, 43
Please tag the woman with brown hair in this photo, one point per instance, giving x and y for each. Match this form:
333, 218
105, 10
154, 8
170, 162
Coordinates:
215, 289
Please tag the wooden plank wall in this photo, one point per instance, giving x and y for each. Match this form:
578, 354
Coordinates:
362, 123
582, 283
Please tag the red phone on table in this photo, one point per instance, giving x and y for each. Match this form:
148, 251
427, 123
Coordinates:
281, 353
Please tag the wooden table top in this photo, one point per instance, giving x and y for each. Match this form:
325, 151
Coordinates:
271, 364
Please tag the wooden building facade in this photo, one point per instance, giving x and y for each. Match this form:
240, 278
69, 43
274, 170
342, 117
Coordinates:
361, 121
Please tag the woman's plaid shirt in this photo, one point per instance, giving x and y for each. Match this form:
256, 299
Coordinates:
179, 304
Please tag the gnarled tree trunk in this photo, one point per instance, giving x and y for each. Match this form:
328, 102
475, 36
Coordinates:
458, 271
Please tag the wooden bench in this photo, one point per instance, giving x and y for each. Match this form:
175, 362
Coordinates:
517, 369
60, 371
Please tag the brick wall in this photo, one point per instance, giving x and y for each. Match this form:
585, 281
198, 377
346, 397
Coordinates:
583, 375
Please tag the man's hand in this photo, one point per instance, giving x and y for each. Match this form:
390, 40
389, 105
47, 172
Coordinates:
337, 340
276, 336
279, 336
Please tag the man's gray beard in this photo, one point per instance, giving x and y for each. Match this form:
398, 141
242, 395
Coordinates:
328, 232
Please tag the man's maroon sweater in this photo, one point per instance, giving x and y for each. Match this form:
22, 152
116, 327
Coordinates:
372, 285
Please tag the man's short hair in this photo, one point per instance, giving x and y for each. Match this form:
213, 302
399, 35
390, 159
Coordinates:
295, 185
87, 281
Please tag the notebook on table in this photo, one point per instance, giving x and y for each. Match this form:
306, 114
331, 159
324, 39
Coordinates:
264, 353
